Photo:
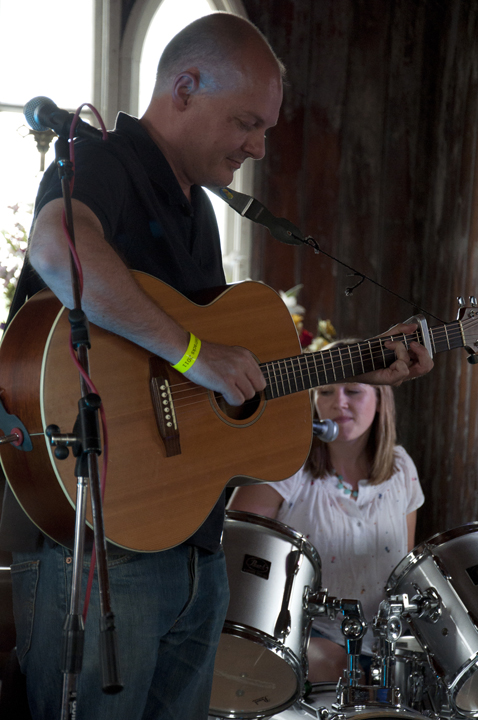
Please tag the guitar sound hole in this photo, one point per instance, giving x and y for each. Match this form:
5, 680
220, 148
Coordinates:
241, 412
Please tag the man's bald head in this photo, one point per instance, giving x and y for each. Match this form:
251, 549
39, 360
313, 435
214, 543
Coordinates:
222, 46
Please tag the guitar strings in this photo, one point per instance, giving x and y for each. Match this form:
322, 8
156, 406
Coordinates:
287, 374
285, 367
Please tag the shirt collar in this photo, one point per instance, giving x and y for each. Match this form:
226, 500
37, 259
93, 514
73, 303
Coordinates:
151, 157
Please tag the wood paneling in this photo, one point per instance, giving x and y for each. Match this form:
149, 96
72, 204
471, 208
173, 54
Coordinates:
375, 157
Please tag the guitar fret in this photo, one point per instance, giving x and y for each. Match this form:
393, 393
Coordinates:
293, 380
300, 376
292, 376
307, 371
302, 361
446, 335
325, 370
351, 362
275, 384
289, 375
361, 359
285, 375
316, 370
275, 379
333, 364
311, 382
281, 366
371, 353
343, 369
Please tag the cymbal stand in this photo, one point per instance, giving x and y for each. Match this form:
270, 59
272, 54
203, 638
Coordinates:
86, 446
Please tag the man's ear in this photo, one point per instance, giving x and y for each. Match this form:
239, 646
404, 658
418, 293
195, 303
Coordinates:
184, 85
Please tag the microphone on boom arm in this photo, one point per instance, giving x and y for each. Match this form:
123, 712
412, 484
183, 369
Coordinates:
41, 113
325, 430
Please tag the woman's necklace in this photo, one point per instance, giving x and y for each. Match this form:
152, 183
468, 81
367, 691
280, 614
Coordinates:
340, 485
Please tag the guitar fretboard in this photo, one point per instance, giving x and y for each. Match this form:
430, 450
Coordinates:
310, 370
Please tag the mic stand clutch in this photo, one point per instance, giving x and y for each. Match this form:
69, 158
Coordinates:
86, 445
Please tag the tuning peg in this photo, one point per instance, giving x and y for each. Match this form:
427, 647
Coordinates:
461, 301
473, 301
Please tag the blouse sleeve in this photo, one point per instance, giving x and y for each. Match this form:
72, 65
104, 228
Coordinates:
288, 488
415, 495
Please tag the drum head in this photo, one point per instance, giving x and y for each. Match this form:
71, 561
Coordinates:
250, 680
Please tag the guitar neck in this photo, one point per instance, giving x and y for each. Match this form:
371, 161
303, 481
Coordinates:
310, 370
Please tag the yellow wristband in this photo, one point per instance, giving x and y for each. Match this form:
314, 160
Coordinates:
190, 356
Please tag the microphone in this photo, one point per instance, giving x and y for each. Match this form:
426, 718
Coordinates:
325, 430
280, 228
41, 113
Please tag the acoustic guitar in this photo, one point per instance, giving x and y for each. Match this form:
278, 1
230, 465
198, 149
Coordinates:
173, 445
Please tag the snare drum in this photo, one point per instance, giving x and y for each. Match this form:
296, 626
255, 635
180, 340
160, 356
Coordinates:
261, 661
447, 564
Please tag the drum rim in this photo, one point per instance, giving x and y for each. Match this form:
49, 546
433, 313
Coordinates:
281, 528
412, 558
443, 537
244, 632
426, 548
371, 712
464, 673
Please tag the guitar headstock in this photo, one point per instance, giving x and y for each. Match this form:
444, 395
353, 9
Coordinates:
468, 317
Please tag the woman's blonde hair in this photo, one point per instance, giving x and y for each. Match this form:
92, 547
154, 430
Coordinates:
381, 442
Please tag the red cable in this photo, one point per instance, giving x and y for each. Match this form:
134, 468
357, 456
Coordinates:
73, 354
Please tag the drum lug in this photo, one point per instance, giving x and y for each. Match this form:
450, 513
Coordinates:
284, 622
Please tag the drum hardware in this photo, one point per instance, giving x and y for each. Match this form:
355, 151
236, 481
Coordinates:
441, 578
387, 626
427, 604
354, 626
362, 696
293, 562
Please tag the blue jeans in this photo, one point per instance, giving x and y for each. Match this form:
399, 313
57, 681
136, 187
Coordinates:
169, 607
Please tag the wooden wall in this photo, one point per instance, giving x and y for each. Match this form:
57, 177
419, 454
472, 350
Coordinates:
375, 157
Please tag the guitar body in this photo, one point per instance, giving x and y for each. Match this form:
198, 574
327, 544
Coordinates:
153, 500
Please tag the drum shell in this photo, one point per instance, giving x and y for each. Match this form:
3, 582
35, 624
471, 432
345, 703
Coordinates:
266, 561
448, 562
256, 600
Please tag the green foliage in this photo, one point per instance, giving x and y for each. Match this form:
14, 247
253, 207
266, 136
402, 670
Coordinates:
13, 245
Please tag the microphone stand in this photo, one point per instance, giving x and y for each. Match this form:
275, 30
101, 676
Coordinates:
86, 447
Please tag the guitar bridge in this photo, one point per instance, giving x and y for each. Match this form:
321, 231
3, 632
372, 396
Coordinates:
163, 405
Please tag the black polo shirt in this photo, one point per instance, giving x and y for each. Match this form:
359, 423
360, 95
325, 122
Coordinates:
128, 184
